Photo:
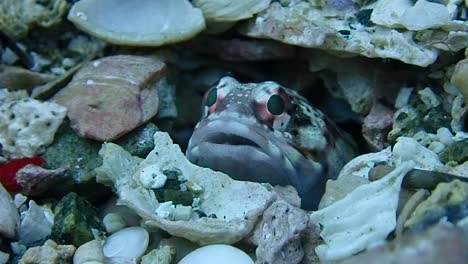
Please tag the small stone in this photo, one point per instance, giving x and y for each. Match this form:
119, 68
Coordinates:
279, 234
109, 97
445, 195
339, 188
445, 136
9, 216
50, 253
74, 219
15, 78
113, 222
129, 243
460, 78
403, 97
215, 254
36, 180
436, 146
443, 243
429, 98
139, 142
376, 125
89, 252
151, 178
457, 151
182, 213
4, 257
164, 254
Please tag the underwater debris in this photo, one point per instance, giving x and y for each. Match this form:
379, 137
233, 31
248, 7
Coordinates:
9, 216
111, 96
153, 23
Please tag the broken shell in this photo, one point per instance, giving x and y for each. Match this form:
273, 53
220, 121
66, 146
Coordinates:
138, 23
113, 95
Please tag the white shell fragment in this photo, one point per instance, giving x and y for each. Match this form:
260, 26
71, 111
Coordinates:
236, 204
362, 219
401, 13
9, 216
36, 224
215, 254
227, 10
138, 23
89, 253
129, 243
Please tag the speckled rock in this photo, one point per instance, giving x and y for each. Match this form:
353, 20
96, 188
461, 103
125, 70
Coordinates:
443, 243
50, 253
9, 216
111, 96
27, 126
278, 236
74, 219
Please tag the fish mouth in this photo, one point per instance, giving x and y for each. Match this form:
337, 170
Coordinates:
243, 151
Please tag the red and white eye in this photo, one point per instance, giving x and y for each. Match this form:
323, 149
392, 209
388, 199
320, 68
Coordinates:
214, 96
271, 104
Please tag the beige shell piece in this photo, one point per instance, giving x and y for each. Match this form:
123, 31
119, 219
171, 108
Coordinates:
138, 23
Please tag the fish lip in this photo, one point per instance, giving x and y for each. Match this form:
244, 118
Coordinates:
234, 133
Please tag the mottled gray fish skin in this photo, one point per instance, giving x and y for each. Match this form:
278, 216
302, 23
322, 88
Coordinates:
264, 132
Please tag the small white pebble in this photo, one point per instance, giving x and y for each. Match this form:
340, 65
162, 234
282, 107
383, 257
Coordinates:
436, 146
403, 97
445, 136
215, 254
165, 210
113, 222
152, 178
429, 98
182, 212
19, 200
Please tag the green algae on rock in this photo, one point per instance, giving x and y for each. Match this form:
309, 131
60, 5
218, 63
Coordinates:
74, 219
457, 151
138, 23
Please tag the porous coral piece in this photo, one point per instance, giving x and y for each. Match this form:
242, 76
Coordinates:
113, 95
27, 126
50, 253
278, 235
299, 23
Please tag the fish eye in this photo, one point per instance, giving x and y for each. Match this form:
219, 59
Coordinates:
275, 105
211, 97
